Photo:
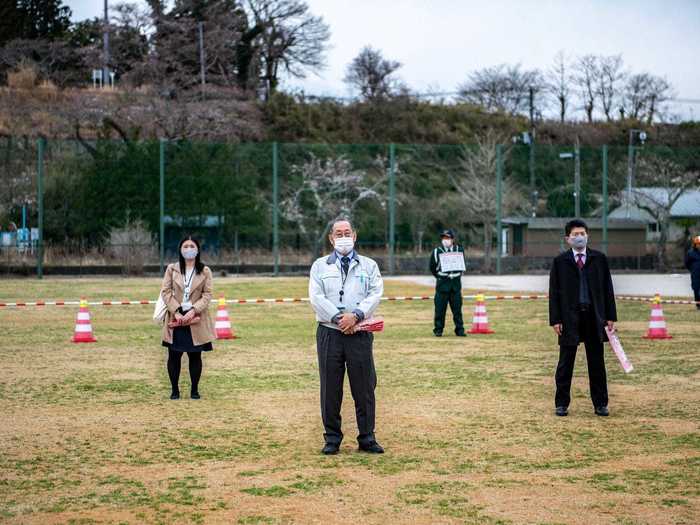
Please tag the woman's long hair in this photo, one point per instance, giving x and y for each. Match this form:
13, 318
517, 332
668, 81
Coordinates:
198, 264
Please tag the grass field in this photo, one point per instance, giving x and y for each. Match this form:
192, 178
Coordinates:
89, 435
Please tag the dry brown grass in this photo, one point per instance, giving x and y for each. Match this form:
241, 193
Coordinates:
90, 436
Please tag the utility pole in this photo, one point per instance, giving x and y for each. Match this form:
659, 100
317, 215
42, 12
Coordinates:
630, 182
392, 208
630, 166
161, 212
605, 200
499, 196
275, 209
105, 40
576, 155
577, 179
533, 189
201, 56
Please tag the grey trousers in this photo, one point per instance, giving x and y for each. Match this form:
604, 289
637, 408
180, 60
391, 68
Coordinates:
335, 352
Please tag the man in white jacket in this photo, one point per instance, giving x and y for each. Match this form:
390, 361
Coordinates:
344, 289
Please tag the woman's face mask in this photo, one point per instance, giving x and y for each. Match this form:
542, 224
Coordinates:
189, 253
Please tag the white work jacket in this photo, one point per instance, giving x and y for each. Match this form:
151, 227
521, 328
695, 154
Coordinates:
331, 293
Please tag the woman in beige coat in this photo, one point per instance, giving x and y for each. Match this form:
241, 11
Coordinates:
186, 290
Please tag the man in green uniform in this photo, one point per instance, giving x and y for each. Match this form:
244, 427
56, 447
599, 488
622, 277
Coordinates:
448, 285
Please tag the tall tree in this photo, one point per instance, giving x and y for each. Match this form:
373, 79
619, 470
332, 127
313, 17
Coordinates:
587, 72
11, 21
293, 40
610, 77
43, 18
371, 74
636, 95
502, 88
559, 83
475, 185
659, 91
329, 188
643, 94
176, 60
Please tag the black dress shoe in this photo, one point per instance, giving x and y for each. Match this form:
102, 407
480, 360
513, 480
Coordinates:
330, 449
602, 411
372, 448
562, 411
460, 334
175, 395
437, 334
195, 395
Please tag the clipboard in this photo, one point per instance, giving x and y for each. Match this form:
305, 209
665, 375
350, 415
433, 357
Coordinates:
452, 262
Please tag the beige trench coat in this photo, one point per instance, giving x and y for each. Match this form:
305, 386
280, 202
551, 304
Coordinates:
172, 292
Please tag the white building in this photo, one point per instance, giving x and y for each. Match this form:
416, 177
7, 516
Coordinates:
685, 212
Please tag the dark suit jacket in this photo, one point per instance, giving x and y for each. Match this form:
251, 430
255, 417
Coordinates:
692, 262
564, 282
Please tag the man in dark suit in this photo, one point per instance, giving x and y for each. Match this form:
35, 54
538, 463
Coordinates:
581, 305
692, 262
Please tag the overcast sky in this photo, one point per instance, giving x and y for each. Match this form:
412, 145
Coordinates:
441, 41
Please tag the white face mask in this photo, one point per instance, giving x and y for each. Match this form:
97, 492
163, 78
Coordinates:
189, 253
579, 242
447, 243
344, 245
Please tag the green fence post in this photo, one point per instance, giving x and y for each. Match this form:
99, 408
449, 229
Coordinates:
41, 143
533, 186
605, 200
161, 216
392, 208
499, 191
275, 208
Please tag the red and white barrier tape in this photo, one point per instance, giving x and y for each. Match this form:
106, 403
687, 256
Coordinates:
652, 299
20, 304
257, 300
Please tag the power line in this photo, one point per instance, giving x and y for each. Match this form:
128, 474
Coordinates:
685, 100
436, 94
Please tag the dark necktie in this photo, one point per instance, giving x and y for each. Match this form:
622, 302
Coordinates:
579, 262
345, 264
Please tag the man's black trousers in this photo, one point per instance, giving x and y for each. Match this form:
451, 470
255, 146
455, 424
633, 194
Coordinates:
448, 291
335, 352
597, 377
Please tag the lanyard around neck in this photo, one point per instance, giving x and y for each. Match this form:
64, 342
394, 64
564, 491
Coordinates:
186, 280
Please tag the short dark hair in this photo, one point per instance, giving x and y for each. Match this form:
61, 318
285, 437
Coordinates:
575, 223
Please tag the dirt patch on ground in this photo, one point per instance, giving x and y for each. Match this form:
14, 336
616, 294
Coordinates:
90, 435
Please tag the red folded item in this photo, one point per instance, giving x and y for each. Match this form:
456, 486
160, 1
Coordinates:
373, 324
175, 324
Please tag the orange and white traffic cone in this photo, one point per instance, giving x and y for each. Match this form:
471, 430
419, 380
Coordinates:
480, 321
657, 323
223, 323
83, 328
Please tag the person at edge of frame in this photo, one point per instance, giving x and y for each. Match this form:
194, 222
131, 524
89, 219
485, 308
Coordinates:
448, 286
692, 263
187, 292
581, 305
345, 288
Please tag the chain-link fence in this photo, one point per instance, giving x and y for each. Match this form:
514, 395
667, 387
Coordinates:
122, 206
